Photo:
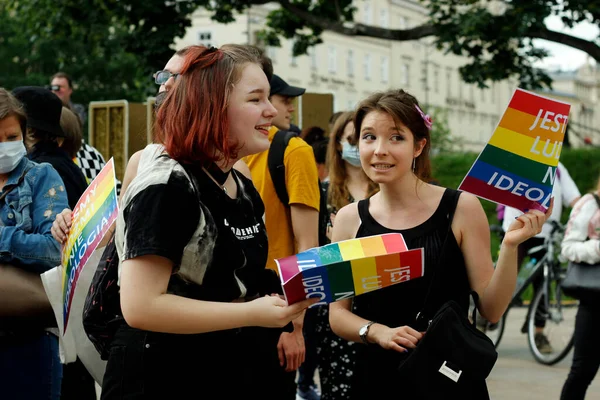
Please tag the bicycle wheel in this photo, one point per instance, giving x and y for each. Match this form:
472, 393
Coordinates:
558, 321
493, 331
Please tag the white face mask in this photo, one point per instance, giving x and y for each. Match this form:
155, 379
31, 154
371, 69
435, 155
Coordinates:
11, 154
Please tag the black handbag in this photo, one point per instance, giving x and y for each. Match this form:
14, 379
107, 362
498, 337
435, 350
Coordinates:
582, 280
454, 358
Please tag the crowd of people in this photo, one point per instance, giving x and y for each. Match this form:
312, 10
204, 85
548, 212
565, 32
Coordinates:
202, 221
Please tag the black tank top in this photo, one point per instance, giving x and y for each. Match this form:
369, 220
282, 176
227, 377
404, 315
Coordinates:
398, 305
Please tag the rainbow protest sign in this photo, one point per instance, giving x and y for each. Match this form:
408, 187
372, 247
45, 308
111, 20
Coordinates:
93, 215
518, 165
349, 268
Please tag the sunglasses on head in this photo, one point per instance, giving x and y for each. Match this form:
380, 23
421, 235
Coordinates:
161, 77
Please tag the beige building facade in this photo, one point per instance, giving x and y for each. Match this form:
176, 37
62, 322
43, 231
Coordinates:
351, 68
581, 89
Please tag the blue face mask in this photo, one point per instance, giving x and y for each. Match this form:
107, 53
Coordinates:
11, 154
350, 154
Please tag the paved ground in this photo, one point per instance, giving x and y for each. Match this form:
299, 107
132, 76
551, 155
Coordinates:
517, 375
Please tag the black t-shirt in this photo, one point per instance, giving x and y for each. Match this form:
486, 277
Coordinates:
218, 244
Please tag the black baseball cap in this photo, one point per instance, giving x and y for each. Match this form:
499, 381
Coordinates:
43, 108
281, 87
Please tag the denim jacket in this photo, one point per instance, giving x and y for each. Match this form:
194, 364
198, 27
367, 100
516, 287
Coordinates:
27, 214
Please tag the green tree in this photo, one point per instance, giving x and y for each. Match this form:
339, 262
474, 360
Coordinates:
110, 47
496, 36
442, 141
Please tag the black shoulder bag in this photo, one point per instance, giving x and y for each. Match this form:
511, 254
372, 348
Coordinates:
582, 281
453, 358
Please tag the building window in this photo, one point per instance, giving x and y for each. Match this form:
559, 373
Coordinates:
350, 104
332, 59
368, 13
436, 79
350, 63
313, 58
272, 53
205, 39
448, 82
385, 69
367, 66
482, 95
405, 75
384, 21
293, 59
425, 75
402, 23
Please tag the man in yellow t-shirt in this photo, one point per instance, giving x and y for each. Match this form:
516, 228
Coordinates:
291, 227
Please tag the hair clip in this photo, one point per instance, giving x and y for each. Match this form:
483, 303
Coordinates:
426, 118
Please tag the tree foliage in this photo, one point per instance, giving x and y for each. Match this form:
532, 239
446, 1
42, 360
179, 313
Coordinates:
495, 36
112, 47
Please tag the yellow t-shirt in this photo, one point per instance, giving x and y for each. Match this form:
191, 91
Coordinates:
301, 179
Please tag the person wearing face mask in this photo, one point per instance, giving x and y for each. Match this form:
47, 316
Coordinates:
347, 183
44, 139
31, 195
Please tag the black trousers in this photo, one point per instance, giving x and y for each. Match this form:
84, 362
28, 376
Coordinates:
77, 383
522, 250
586, 355
239, 363
312, 338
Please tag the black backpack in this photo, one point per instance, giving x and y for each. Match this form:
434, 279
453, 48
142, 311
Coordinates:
102, 314
277, 170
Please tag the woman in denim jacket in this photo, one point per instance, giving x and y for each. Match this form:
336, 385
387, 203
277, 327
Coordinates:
30, 197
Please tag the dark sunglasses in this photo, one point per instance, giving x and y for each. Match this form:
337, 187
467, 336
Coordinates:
161, 77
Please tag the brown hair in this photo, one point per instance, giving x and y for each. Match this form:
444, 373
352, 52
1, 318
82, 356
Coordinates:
402, 107
63, 75
10, 106
71, 126
338, 194
192, 123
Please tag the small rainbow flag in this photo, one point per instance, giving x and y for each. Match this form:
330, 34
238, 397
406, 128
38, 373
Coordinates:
349, 268
518, 165
92, 216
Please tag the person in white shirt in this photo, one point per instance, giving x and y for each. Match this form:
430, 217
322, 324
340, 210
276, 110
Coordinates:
565, 192
581, 244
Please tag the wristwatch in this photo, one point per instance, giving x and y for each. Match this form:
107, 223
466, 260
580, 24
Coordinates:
364, 331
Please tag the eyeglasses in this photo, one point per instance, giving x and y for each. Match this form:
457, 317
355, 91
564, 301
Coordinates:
161, 77
55, 88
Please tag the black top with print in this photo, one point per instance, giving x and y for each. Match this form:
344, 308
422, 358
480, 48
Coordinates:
231, 249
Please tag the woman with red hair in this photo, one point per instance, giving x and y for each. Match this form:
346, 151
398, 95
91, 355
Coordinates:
192, 243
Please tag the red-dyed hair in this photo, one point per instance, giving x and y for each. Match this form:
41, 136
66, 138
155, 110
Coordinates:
192, 122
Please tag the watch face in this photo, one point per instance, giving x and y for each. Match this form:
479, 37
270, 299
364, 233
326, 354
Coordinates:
363, 330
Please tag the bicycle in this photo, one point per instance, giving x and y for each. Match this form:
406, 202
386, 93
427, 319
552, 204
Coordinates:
548, 304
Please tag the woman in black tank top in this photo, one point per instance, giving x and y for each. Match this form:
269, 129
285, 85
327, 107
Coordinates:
394, 142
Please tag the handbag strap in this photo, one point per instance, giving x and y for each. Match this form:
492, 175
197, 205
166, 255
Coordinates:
597, 198
450, 208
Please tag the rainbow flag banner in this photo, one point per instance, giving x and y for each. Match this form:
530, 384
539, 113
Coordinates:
518, 165
92, 216
349, 268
